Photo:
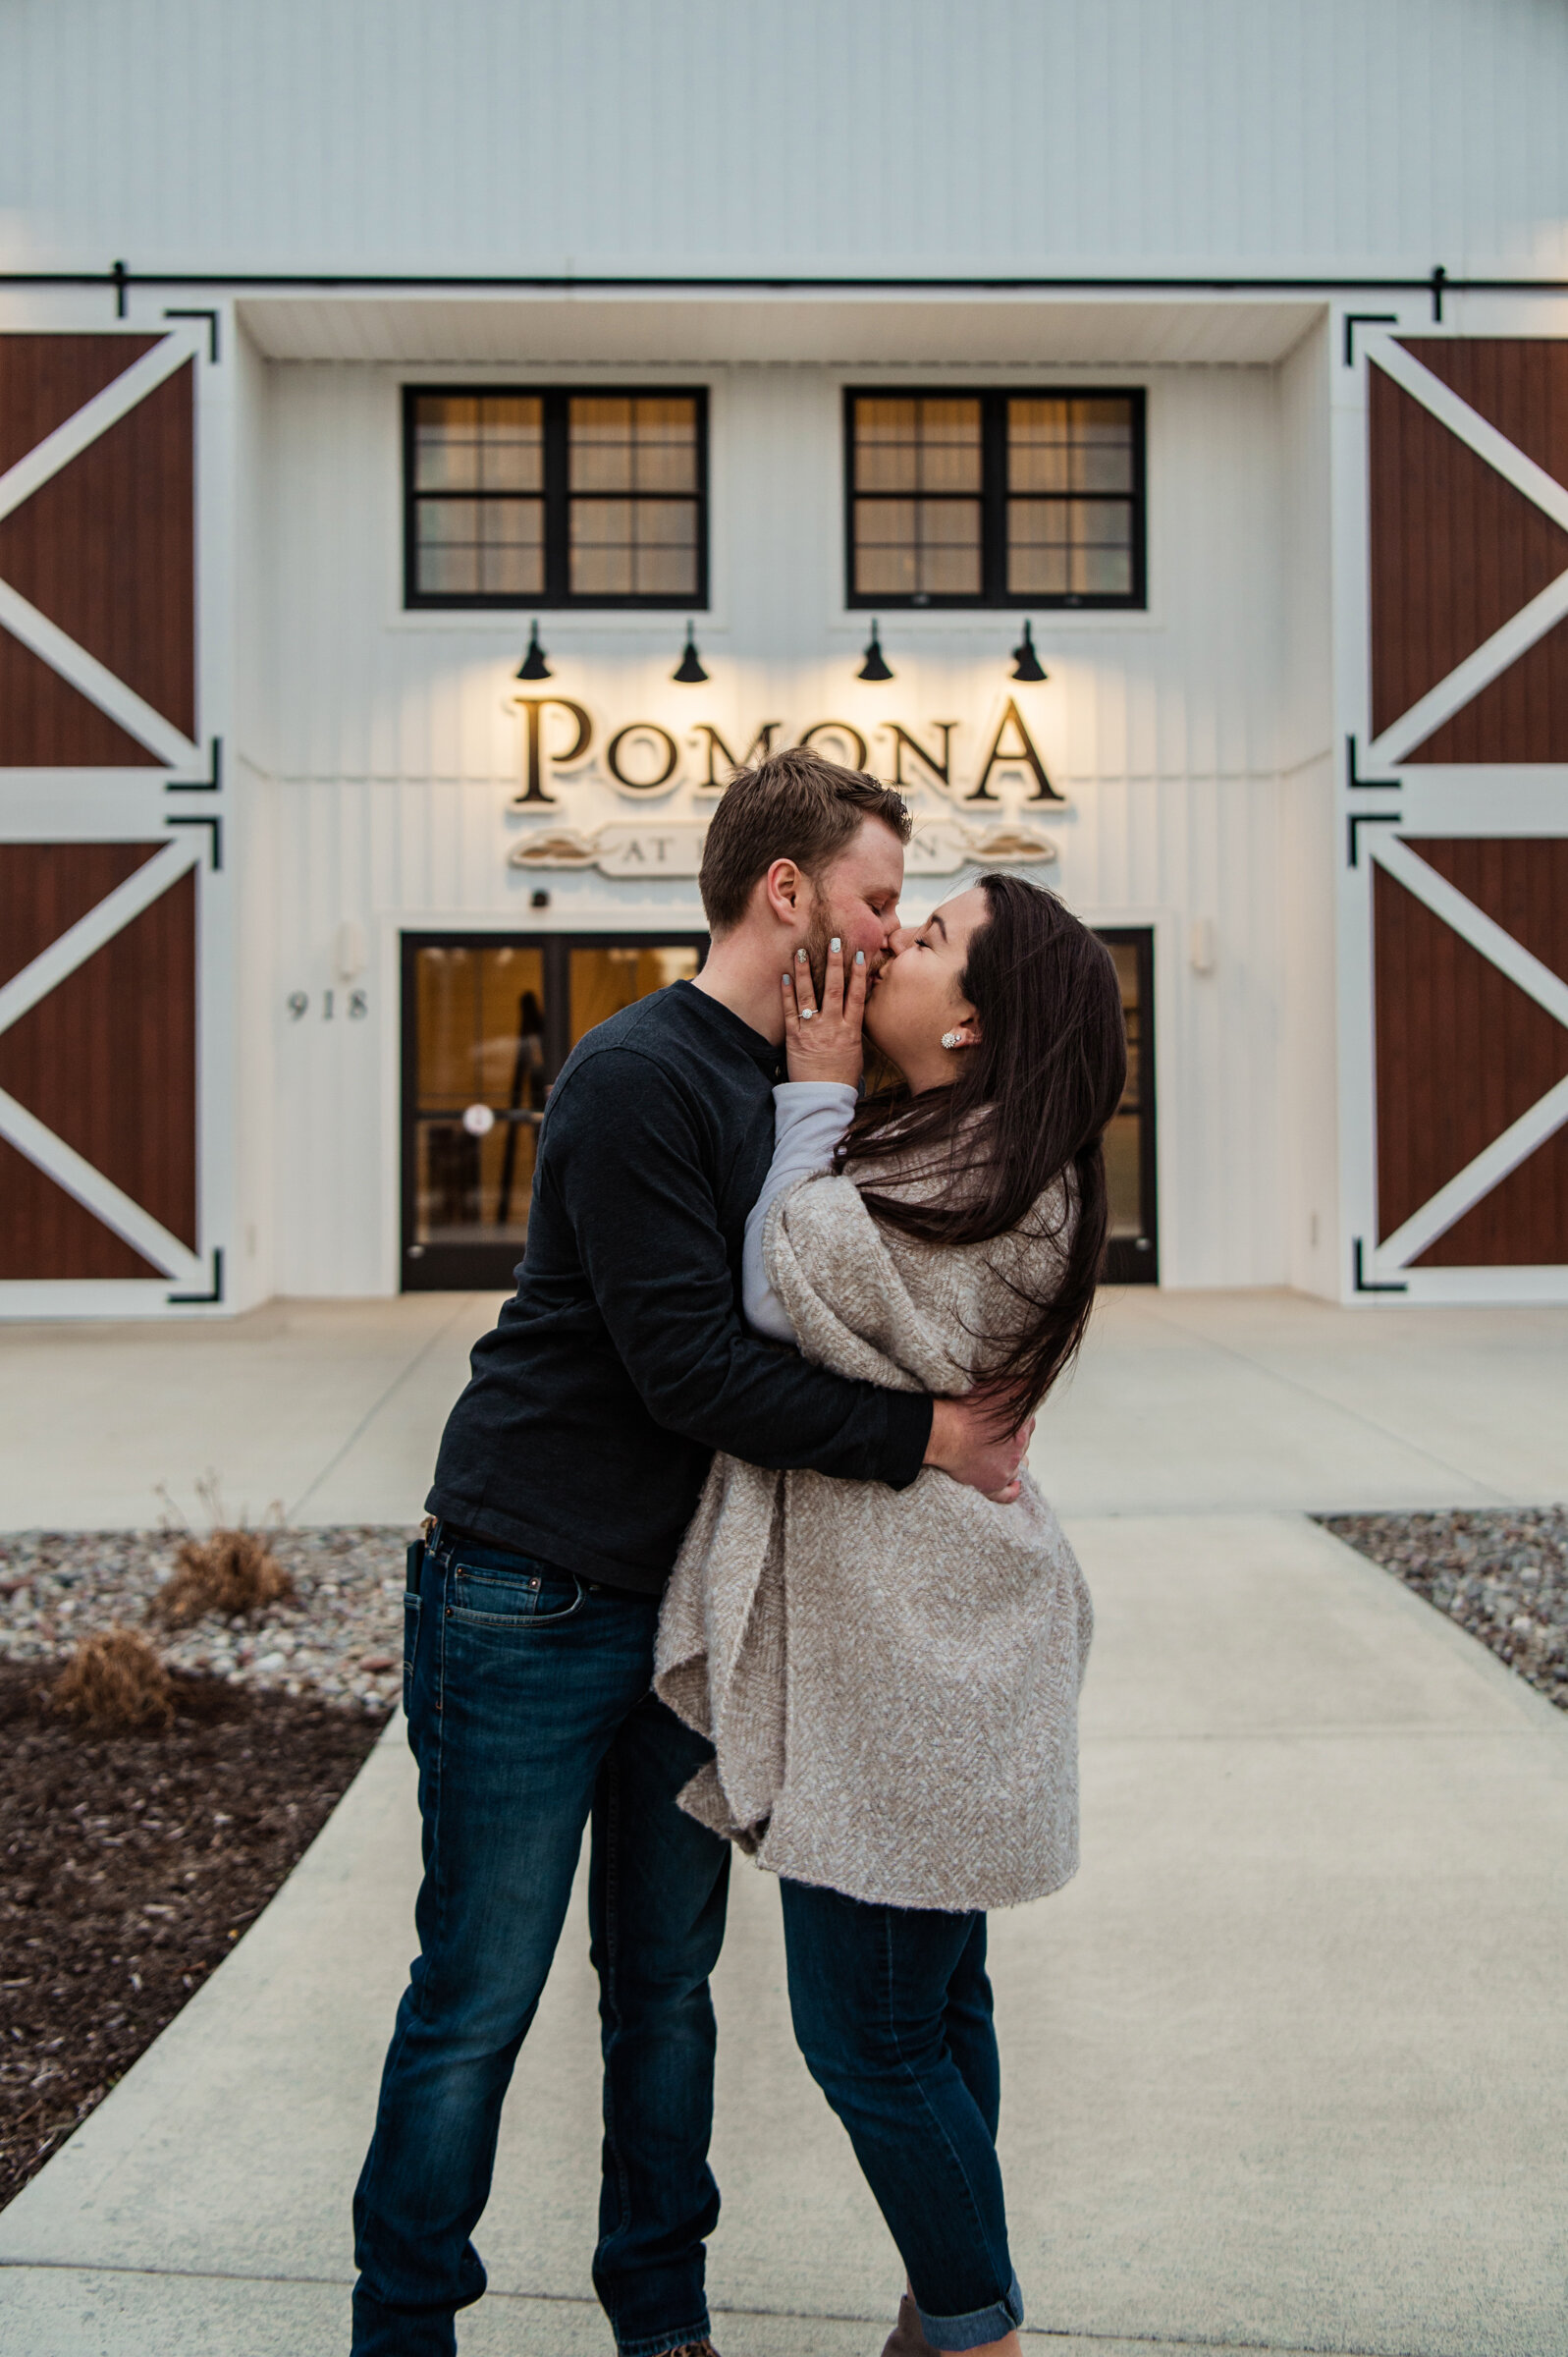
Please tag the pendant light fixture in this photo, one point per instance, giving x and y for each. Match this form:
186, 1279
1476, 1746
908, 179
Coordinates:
533, 665
1026, 663
689, 670
875, 667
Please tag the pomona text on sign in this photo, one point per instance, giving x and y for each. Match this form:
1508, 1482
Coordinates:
643, 758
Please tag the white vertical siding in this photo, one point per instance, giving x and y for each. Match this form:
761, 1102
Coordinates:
906, 135
251, 844
393, 757
1309, 1202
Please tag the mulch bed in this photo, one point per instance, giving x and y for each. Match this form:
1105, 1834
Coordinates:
128, 1866
1501, 1574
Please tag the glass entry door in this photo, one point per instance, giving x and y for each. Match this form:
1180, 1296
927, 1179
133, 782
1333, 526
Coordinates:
1134, 1256
488, 1021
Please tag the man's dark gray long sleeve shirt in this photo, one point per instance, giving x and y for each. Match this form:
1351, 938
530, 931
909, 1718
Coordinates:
621, 1363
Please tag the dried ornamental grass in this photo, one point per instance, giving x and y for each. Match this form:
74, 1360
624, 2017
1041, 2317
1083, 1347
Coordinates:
231, 1573
114, 1684
227, 1572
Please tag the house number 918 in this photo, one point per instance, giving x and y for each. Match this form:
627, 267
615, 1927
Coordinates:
298, 1006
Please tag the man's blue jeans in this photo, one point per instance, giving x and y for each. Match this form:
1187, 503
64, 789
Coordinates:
530, 1710
892, 2009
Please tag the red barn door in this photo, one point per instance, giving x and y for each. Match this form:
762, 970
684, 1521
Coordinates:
1467, 849
99, 1184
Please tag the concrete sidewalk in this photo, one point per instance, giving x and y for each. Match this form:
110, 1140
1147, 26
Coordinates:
1287, 2067
1183, 1402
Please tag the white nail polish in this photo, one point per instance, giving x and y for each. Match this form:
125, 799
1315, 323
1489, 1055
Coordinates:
860, 956
836, 945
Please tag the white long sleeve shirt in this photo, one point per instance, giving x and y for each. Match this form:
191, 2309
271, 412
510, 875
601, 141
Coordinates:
810, 1117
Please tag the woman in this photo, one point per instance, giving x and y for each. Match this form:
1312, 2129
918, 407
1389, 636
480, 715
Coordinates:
919, 1763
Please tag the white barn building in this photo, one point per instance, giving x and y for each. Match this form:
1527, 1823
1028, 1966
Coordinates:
1169, 398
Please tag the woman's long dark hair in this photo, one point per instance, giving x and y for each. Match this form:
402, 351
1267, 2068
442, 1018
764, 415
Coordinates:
1027, 1104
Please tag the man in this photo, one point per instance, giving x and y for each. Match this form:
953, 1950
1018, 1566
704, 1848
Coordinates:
567, 1473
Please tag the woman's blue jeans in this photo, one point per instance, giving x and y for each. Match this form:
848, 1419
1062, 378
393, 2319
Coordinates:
530, 1711
892, 2013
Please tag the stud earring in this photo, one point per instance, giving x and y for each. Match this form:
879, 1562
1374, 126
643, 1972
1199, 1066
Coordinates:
952, 1039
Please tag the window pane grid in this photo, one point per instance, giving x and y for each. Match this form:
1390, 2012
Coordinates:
1067, 446
636, 445
906, 546
1062, 539
1069, 547
634, 547
996, 499
555, 497
476, 442
918, 446
481, 546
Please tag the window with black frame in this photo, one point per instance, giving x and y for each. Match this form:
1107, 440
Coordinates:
551, 497
995, 499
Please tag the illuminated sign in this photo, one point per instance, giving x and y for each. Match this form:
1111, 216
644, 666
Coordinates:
643, 758
976, 802
937, 848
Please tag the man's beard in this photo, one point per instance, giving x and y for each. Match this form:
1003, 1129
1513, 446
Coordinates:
819, 933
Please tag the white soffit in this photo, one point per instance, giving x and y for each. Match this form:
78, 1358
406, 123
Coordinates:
855, 329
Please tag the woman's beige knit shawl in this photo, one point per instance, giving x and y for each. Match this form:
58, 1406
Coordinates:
890, 1678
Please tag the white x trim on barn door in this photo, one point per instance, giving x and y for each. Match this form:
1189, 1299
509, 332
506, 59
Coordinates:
1533, 1127
1521, 630
24, 622
24, 1130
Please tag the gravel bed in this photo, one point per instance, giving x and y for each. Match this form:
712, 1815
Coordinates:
341, 1637
1502, 1574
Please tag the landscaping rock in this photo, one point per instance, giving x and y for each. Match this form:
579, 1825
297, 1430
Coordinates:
338, 1635
1503, 1573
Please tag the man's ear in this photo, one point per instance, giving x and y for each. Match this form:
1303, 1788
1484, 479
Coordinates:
786, 892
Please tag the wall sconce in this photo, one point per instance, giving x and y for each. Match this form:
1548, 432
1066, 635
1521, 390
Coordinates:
348, 950
689, 670
875, 666
533, 665
1026, 663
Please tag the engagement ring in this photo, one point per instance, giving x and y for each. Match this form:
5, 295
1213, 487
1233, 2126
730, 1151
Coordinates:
806, 1014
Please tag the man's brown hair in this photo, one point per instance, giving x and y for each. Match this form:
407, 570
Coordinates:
795, 806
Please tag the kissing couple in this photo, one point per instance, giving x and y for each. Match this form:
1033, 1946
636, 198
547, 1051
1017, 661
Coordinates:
731, 1548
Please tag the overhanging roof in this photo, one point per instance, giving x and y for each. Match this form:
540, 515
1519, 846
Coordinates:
855, 328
